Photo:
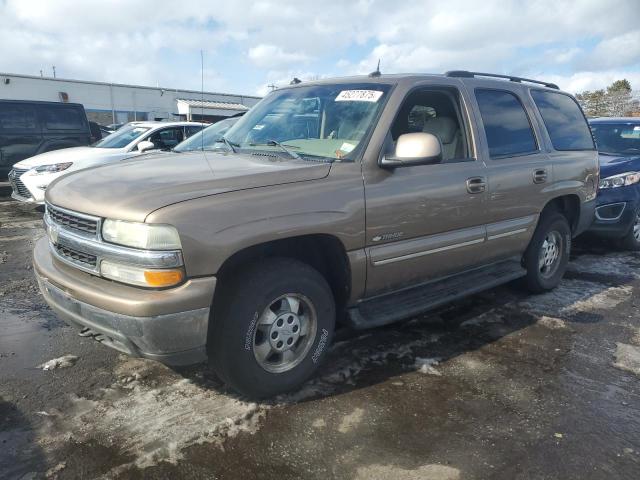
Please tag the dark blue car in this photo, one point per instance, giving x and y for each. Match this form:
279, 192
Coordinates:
618, 203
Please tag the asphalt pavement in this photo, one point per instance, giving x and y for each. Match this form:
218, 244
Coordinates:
502, 385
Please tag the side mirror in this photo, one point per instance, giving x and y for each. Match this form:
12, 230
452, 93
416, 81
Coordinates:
414, 149
145, 145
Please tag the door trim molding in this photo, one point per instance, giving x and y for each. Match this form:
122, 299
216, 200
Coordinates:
427, 252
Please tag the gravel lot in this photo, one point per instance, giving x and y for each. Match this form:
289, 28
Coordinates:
501, 385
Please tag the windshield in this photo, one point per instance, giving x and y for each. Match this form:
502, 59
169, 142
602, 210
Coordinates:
618, 139
207, 138
121, 137
326, 121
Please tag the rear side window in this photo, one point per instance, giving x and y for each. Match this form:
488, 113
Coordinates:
506, 123
17, 117
62, 118
564, 120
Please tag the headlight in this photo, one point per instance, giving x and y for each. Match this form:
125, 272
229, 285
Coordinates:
147, 236
141, 276
621, 180
54, 168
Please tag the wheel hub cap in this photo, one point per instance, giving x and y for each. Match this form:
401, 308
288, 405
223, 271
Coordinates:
284, 332
550, 253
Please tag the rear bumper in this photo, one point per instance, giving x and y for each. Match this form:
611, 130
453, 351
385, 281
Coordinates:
169, 326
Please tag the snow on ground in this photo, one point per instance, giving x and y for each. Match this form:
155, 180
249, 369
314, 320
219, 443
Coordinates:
627, 357
425, 472
60, 362
153, 420
574, 296
346, 362
426, 365
616, 264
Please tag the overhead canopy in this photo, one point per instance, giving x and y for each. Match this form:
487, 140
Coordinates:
190, 107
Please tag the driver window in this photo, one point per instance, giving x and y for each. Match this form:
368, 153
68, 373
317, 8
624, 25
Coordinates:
435, 112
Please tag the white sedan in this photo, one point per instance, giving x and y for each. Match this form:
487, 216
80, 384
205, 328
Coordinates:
30, 177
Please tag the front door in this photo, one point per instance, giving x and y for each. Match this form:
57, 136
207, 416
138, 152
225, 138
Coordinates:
427, 221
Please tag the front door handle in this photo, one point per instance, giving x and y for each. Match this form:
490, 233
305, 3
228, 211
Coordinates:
540, 175
476, 184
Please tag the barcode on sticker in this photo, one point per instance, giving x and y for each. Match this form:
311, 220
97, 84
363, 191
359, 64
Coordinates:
359, 96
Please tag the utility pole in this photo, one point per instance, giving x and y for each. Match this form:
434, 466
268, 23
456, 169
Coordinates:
41, 74
54, 70
272, 87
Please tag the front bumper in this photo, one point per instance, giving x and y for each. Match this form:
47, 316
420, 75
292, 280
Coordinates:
169, 326
616, 212
33, 186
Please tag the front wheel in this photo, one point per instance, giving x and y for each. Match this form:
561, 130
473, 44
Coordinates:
548, 253
272, 327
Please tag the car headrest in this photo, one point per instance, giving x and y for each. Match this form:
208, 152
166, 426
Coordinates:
443, 127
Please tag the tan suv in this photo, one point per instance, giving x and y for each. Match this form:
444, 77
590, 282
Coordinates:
359, 201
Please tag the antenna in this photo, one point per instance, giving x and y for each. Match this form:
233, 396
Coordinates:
272, 87
201, 99
377, 71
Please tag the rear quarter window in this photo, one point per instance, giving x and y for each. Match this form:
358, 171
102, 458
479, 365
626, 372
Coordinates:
506, 123
62, 118
564, 121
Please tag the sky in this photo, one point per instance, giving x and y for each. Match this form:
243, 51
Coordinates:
249, 45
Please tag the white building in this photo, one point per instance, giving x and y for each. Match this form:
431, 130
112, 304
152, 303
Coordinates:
108, 103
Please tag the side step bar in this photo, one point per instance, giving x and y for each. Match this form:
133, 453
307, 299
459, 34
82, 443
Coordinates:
411, 301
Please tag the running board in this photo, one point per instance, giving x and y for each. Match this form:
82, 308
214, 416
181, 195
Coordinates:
411, 301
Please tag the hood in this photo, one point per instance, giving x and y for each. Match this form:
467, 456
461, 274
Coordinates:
73, 154
615, 164
132, 189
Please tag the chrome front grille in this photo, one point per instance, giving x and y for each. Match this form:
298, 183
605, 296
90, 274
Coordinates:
73, 221
74, 256
74, 238
19, 188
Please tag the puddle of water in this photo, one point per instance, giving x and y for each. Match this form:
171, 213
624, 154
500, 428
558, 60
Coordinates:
22, 341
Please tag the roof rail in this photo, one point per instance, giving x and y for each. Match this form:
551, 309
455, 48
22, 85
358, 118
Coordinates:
466, 74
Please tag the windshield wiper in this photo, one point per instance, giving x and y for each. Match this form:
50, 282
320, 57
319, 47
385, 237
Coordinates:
229, 144
274, 143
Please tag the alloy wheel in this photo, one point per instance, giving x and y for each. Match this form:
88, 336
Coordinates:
550, 254
284, 333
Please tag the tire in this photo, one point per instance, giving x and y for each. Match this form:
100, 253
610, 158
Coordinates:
547, 255
256, 323
631, 241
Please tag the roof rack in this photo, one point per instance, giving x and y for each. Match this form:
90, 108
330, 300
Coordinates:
465, 74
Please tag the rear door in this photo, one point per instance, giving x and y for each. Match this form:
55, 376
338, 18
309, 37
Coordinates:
518, 167
20, 134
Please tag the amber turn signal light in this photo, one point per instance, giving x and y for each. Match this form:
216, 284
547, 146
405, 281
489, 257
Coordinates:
163, 278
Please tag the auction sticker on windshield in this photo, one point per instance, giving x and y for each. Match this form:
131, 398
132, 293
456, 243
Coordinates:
359, 96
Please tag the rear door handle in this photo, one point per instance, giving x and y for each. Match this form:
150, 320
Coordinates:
476, 184
540, 175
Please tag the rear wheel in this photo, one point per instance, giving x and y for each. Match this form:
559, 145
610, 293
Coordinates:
631, 241
547, 256
272, 327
